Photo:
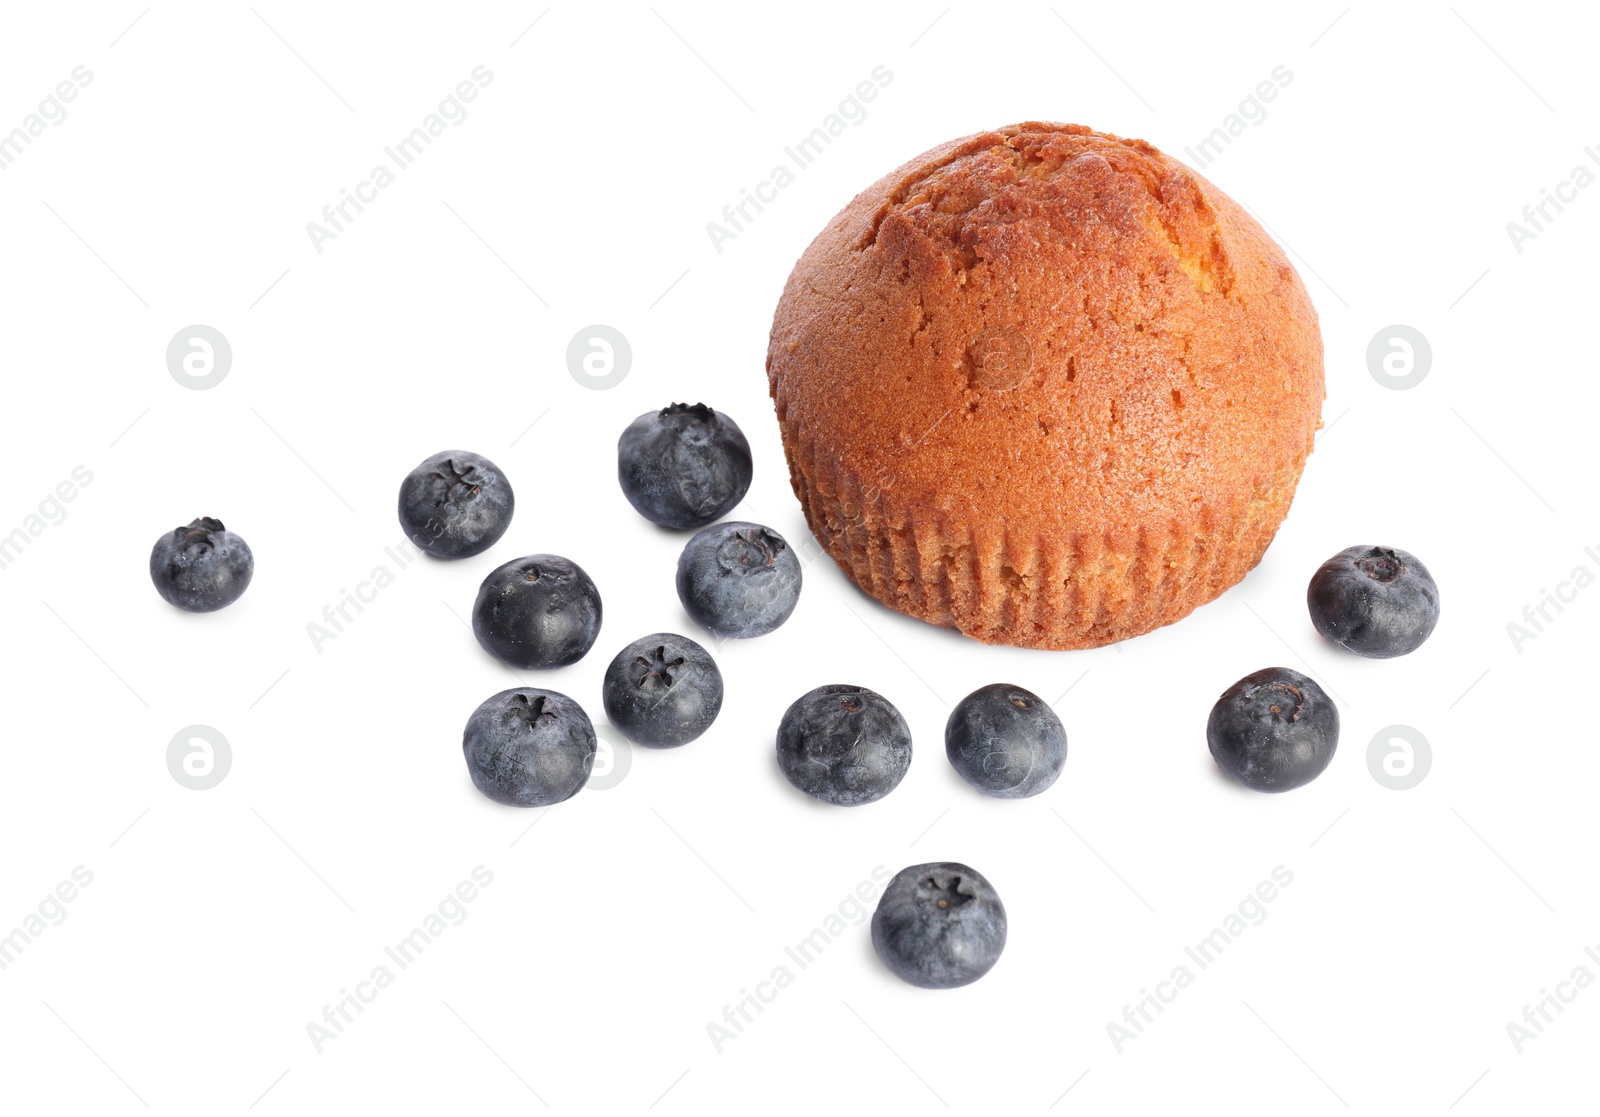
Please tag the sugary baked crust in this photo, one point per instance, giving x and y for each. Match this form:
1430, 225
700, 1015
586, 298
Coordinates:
1044, 385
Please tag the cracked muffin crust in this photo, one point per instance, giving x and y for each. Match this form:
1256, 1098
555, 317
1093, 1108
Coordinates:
1046, 386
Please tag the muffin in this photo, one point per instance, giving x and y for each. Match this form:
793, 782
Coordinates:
1045, 386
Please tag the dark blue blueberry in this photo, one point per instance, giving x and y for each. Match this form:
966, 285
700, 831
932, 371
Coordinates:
1379, 602
683, 466
939, 926
455, 505
202, 567
737, 579
844, 744
1005, 741
662, 691
537, 611
529, 748
1273, 730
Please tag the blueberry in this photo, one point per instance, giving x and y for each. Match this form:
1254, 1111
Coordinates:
1005, 741
537, 611
844, 744
1273, 730
683, 466
662, 691
529, 748
1379, 602
455, 505
939, 926
202, 567
737, 579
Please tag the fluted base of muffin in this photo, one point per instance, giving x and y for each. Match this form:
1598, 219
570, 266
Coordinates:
1032, 586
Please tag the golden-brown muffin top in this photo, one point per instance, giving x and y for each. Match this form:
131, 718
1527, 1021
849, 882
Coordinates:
1052, 329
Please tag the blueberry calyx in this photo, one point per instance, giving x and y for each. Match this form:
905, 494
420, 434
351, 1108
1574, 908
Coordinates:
1268, 695
946, 894
753, 546
1381, 565
657, 669
693, 410
466, 478
529, 711
197, 536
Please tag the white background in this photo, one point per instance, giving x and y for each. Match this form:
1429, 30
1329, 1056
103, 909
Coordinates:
577, 191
